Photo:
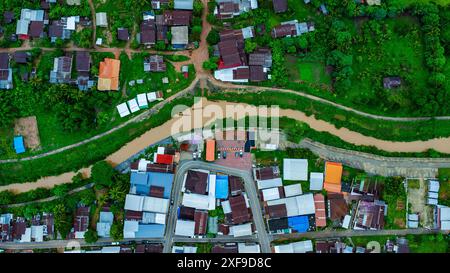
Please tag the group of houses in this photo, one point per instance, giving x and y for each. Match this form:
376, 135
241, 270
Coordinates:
220, 195
140, 102
441, 212
289, 210
63, 66
147, 204
236, 248
235, 65
227, 9
6, 68
19, 229
138, 248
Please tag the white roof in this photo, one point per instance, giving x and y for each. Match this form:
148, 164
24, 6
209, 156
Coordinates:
130, 228
432, 201
134, 202
155, 204
185, 228
111, 249
295, 169
247, 32
248, 248
413, 217
445, 225
433, 185
106, 217
123, 110
346, 222
101, 19
316, 181
445, 213
271, 194
297, 247
226, 207
142, 100
296, 205
180, 35
433, 194
241, 230
293, 190
71, 23
151, 96
212, 191
184, 249
79, 234
160, 150
142, 165
103, 229
269, 183
26, 238
133, 105
37, 233
194, 200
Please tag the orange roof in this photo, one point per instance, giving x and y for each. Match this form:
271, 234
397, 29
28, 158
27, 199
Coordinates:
319, 203
333, 175
108, 77
210, 149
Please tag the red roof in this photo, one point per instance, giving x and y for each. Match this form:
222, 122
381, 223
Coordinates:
164, 159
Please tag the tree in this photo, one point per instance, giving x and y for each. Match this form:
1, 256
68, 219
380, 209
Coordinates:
213, 37
87, 197
102, 173
198, 8
250, 46
116, 231
211, 64
63, 223
61, 190
6, 197
90, 236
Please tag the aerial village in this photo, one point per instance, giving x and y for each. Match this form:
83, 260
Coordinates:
217, 191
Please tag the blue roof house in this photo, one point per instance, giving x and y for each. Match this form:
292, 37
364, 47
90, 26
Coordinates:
222, 187
18, 144
184, 4
299, 223
141, 182
150, 231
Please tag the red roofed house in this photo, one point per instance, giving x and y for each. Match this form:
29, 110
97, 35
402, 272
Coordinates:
164, 159
319, 203
201, 220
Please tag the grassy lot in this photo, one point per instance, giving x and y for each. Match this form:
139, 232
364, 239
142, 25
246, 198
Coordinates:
377, 56
444, 189
406, 3
309, 72
413, 184
394, 194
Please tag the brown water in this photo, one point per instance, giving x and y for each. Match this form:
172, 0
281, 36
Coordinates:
161, 132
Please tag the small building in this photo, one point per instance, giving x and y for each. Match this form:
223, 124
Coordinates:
280, 6
319, 204
19, 146
176, 17
154, 63
80, 223
316, 181
297, 247
196, 182
295, 169
337, 207
210, 150
147, 36
180, 37
123, 110
123, 34
62, 70
6, 79
83, 67
413, 220
293, 190
184, 4
21, 57
392, 82
104, 224
333, 176
101, 19
239, 209
185, 228
108, 78
201, 221
370, 215
241, 230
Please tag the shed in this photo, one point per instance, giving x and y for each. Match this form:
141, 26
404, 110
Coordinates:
315, 181
293, 190
101, 19
133, 105
185, 228
295, 169
142, 101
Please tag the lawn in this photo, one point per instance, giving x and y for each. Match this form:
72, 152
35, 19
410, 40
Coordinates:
394, 194
444, 189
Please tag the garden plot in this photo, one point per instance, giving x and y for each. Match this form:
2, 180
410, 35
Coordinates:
27, 127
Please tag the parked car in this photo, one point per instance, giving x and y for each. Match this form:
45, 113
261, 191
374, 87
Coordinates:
218, 155
241, 153
224, 155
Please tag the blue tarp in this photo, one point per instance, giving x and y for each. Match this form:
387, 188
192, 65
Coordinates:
222, 187
18, 145
299, 223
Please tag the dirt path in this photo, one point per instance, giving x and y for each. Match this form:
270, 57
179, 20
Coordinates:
94, 22
165, 130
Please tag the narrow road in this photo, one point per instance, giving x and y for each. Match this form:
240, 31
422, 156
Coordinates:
250, 189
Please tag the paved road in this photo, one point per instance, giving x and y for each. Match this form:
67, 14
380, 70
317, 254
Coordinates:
375, 164
250, 189
87, 186
355, 233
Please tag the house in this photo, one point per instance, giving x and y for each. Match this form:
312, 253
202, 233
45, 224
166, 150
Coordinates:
295, 169
8, 17
63, 28
260, 57
83, 68
108, 78
292, 190
280, 6
147, 36
297, 247
227, 248
6, 79
123, 34
142, 183
239, 209
134, 229
104, 224
236, 185
19, 146
62, 70
196, 182
201, 221
185, 228
241, 230
413, 220
337, 207
180, 36
123, 110
248, 248
266, 173
227, 9
6, 227
177, 17
184, 4
101, 19
157, 4
184, 249
319, 204
291, 29
21, 57
80, 223
392, 82
154, 63
316, 181
333, 176
443, 217
210, 150
31, 22
197, 201
296, 205
370, 215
